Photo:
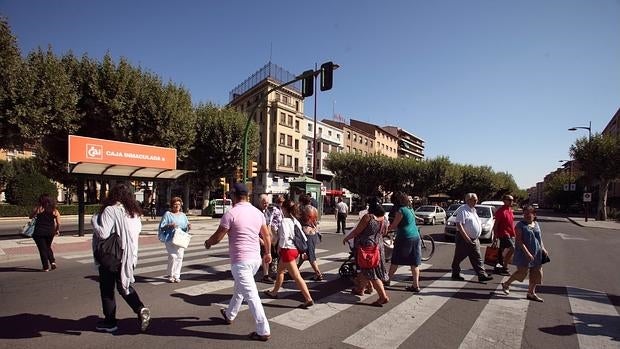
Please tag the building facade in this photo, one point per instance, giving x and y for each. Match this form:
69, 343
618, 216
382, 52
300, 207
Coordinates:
354, 140
409, 145
385, 143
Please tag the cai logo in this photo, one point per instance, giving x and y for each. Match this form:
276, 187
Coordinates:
94, 151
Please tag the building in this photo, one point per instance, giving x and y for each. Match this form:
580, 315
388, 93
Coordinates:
409, 145
280, 118
385, 142
613, 194
354, 140
328, 139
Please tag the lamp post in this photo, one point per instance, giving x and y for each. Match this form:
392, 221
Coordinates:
589, 128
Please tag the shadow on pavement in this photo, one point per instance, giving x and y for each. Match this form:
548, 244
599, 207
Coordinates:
19, 270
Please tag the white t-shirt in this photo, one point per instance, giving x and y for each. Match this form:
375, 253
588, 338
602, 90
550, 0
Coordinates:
467, 216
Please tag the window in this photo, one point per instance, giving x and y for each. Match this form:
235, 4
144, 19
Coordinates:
296, 105
289, 141
371, 144
281, 138
348, 135
360, 139
366, 141
283, 118
348, 149
297, 144
326, 148
329, 133
281, 160
338, 136
290, 120
309, 127
354, 138
297, 125
296, 164
289, 161
320, 130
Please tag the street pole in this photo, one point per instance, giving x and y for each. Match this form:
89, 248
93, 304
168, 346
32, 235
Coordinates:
314, 152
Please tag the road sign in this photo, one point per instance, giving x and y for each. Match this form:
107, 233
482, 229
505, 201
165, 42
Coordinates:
573, 187
565, 187
587, 197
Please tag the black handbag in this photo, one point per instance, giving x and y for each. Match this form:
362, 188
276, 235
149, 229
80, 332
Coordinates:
298, 240
545, 258
109, 253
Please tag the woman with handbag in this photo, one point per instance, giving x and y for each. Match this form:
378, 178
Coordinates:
171, 222
119, 215
368, 235
529, 256
46, 227
407, 245
288, 253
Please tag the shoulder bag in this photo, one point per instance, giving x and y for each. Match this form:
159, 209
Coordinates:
299, 240
109, 252
181, 238
28, 229
368, 257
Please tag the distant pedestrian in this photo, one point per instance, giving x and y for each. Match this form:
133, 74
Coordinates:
313, 201
170, 221
119, 214
466, 242
342, 210
243, 224
529, 254
370, 232
46, 228
266, 267
153, 209
504, 235
407, 243
309, 218
289, 253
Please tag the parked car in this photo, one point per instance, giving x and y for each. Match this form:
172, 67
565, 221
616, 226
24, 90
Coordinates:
431, 214
450, 210
495, 204
221, 206
485, 212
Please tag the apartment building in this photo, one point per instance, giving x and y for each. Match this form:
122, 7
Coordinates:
280, 118
354, 140
329, 139
613, 194
385, 142
409, 145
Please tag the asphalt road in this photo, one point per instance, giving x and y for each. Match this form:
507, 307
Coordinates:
581, 289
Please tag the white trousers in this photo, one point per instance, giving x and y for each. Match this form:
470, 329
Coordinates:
175, 259
245, 289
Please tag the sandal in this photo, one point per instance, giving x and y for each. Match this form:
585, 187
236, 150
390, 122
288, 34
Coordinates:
505, 288
306, 305
379, 302
318, 277
226, 319
412, 289
534, 297
356, 292
270, 295
257, 337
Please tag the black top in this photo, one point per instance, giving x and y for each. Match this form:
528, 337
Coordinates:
45, 224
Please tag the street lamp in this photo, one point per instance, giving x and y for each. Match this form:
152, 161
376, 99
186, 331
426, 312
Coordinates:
589, 128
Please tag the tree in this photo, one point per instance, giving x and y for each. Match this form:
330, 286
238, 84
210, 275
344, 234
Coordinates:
218, 148
599, 159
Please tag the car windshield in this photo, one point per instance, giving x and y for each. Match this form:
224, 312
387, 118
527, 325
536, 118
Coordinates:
454, 207
483, 212
426, 209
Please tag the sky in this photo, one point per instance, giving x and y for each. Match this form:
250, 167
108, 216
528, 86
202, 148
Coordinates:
495, 83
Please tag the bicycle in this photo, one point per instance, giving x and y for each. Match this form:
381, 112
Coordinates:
426, 241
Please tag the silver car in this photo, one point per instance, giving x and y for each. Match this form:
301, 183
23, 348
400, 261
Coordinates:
487, 220
431, 214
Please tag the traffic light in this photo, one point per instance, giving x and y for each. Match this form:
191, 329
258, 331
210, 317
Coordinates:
327, 75
223, 181
307, 83
252, 169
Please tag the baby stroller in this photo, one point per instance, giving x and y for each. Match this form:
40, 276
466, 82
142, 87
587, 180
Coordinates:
349, 266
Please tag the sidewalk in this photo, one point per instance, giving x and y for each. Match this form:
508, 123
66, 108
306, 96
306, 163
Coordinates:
593, 223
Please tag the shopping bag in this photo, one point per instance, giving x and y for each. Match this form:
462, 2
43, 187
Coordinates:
545, 258
181, 238
490, 255
367, 257
28, 229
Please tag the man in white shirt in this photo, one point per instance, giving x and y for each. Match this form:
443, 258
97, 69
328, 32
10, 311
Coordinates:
466, 243
342, 211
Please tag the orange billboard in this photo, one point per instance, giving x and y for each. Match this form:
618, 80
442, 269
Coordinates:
102, 151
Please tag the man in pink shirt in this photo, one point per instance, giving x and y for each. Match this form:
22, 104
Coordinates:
243, 224
504, 231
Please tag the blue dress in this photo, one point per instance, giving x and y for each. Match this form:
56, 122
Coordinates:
532, 240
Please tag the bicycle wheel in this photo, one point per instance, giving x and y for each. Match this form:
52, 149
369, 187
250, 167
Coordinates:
428, 247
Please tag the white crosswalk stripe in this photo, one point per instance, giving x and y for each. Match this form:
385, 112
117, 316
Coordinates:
595, 317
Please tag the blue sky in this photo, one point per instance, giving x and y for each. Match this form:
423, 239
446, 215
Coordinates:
492, 82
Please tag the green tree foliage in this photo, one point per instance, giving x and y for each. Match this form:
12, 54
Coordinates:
218, 148
364, 175
599, 158
554, 191
26, 188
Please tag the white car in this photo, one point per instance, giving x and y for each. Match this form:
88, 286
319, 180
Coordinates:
485, 212
431, 214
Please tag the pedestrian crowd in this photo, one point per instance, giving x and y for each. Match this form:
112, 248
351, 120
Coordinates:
278, 238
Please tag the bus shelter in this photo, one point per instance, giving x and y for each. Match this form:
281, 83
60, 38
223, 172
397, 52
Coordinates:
114, 160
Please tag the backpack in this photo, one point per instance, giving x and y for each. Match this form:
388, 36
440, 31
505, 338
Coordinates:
298, 240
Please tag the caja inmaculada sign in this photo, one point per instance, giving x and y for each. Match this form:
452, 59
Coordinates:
102, 151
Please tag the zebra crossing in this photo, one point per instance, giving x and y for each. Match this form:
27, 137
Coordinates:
501, 322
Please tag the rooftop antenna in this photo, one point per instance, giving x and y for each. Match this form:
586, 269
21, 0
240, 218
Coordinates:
270, 50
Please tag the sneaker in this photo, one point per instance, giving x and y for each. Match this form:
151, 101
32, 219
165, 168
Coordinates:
458, 278
54, 266
505, 288
106, 327
484, 278
177, 280
144, 318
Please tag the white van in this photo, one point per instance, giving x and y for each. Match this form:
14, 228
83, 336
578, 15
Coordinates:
221, 206
495, 204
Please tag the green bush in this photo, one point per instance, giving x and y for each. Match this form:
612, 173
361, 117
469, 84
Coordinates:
26, 189
65, 210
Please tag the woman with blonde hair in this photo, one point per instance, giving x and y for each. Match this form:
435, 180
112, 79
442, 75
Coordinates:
288, 253
170, 221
